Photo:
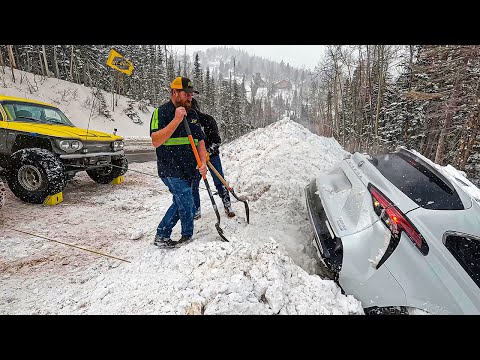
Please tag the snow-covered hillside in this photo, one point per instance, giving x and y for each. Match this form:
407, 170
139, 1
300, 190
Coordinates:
76, 102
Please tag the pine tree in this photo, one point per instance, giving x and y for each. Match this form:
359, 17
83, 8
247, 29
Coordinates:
197, 78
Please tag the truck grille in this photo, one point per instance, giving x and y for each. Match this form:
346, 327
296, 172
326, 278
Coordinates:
94, 147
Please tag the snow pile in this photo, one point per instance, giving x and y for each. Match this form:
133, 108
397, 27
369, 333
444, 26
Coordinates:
271, 167
211, 278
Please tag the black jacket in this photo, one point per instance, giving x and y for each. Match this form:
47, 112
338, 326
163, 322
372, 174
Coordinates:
212, 136
210, 129
176, 159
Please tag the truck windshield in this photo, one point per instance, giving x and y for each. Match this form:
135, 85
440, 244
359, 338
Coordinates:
30, 112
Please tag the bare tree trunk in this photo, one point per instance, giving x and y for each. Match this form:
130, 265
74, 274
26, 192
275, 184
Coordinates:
11, 60
343, 113
380, 89
29, 62
45, 63
449, 111
329, 113
55, 62
369, 75
1, 58
410, 68
41, 63
77, 72
71, 65
471, 141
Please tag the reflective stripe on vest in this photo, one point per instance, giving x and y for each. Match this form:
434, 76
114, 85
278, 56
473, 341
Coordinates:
154, 122
179, 141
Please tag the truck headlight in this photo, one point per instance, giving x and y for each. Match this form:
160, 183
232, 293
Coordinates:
118, 145
70, 145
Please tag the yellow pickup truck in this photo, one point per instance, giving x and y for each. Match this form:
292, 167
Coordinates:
41, 150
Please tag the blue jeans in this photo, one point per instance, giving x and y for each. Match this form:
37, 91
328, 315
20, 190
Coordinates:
181, 209
222, 191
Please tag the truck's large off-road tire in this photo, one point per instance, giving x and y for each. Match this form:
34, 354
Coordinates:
107, 174
35, 173
2, 194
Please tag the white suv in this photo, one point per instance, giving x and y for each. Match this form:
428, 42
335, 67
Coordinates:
396, 232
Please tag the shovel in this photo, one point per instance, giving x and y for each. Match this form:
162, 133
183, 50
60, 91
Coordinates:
229, 188
199, 163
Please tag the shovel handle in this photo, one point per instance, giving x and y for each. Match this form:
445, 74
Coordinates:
192, 143
218, 175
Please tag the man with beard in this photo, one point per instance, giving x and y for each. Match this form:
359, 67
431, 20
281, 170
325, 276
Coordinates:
175, 159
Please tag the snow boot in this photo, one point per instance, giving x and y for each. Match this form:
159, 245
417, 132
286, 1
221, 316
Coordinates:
198, 214
162, 242
229, 211
184, 240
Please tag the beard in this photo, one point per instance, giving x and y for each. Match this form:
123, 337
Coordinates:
187, 103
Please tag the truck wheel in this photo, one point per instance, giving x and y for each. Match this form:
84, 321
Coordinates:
2, 194
106, 174
34, 174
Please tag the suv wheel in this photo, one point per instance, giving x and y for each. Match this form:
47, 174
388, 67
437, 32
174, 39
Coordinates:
106, 174
34, 174
387, 310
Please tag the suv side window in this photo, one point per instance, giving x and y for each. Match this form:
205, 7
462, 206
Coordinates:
466, 249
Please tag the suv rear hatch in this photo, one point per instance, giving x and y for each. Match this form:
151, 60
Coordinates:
407, 181
346, 200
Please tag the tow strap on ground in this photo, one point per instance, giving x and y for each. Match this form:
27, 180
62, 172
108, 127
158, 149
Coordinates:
64, 243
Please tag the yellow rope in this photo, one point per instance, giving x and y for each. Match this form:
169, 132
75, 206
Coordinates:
75, 246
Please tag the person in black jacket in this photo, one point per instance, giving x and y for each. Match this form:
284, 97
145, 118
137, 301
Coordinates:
212, 143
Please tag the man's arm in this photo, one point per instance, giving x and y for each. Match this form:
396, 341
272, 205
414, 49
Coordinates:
162, 135
202, 152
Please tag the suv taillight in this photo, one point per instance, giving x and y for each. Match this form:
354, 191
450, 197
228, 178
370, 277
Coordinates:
395, 220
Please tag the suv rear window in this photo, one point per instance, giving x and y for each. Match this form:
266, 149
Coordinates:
467, 252
417, 182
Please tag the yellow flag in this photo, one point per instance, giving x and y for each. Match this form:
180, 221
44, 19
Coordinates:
118, 62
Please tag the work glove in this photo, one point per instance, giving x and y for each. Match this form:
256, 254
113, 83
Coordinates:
212, 148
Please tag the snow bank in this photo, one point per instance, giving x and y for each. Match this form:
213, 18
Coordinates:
271, 167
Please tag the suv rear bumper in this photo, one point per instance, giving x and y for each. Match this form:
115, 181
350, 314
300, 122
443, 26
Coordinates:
329, 245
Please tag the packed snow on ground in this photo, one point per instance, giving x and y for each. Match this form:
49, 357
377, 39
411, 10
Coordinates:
268, 267
138, 143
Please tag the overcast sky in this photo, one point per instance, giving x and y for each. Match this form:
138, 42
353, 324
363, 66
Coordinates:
296, 55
